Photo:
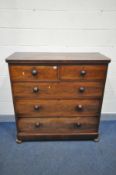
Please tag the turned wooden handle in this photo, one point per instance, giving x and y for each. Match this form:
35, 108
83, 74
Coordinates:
36, 107
78, 124
82, 72
35, 89
34, 72
79, 107
37, 124
81, 89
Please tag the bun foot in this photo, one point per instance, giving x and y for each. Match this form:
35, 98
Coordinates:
18, 141
97, 139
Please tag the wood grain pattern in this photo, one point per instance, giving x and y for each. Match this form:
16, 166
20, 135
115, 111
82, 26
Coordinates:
54, 108
93, 72
57, 90
57, 95
57, 58
24, 73
61, 125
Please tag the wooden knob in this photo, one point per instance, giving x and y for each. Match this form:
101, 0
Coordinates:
34, 72
37, 124
81, 89
82, 72
36, 107
35, 89
79, 107
78, 124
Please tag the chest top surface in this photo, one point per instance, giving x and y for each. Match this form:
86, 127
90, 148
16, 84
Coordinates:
57, 58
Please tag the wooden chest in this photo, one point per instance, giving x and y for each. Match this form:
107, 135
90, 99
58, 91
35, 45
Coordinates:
57, 95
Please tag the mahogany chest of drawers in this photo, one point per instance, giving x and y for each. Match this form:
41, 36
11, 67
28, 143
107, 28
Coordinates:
57, 95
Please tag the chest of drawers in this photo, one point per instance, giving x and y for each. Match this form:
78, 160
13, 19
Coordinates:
57, 95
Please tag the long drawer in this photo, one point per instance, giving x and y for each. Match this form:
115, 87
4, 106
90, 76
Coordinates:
57, 90
58, 125
55, 108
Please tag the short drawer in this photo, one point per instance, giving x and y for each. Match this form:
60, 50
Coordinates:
56, 108
57, 89
33, 73
57, 125
83, 72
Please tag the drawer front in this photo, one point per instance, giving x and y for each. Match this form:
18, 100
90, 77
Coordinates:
33, 73
58, 125
83, 72
52, 108
57, 90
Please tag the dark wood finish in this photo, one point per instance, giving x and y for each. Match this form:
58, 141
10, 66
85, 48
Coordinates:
58, 125
57, 95
57, 58
83, 72
57, 90
22, 136
54, 108
26, 73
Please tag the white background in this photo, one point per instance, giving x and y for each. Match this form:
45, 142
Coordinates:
57, 26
